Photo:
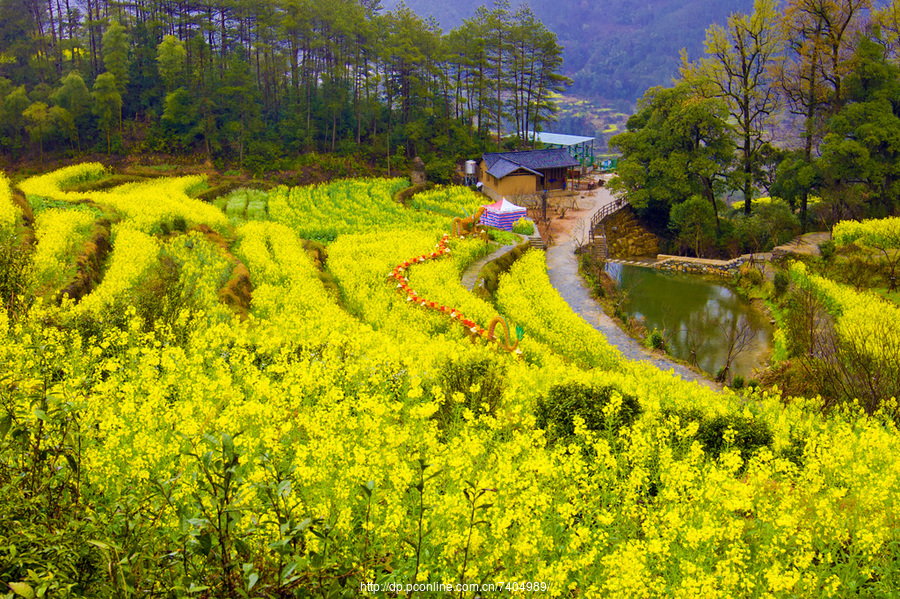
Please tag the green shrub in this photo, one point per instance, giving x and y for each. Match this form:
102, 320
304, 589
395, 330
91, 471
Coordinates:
827, 249
737, 382
479, 379
502, 237
794, 450
556, 412
781, 281
752, 275
656, 340
523, 226
750, 434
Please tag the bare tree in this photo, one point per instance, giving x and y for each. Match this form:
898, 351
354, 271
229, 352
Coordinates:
695, 335
738, 334
891, 262
579, 233
857, 363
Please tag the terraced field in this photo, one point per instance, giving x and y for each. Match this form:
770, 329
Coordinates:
289, 393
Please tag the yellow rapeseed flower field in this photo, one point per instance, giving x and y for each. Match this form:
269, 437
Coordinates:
8, 210
340, 436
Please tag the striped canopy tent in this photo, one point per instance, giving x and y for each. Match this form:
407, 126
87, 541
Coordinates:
502, 215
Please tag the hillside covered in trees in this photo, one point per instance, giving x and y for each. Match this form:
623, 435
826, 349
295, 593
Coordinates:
800, 101
253, 83
613, 50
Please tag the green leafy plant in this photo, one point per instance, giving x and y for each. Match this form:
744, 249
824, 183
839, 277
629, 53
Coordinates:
781, 282
523, 226
656, 340
556, 411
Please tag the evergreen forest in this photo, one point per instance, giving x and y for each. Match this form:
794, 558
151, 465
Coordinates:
253, 83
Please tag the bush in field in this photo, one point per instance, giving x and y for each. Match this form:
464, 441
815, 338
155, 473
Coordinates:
655, 340
603, 408
719, 433
781, 282
523, 226
474, 383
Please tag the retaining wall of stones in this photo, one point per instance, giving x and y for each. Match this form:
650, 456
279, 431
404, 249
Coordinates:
700, 266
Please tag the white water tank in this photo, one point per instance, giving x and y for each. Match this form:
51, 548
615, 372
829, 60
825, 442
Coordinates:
470, 167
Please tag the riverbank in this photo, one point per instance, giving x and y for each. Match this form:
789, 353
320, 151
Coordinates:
562, 267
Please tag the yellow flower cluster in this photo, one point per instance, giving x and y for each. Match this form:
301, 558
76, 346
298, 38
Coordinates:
770, 200
134, 254
438, 280
451, 201
525, 291
288, 296
863, 318
49, 185
202, 267
144, 204
881, 233
321, 395
8, 210
355, 206
60, 234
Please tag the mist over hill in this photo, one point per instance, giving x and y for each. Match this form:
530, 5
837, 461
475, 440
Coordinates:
614, 50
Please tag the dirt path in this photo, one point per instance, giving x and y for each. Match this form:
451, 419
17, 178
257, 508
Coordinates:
470, 276
804, 244
562, 267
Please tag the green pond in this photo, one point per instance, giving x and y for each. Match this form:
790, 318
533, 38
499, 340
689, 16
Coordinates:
699, 319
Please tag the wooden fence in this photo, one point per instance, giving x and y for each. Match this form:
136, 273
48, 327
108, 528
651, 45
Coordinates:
604, 212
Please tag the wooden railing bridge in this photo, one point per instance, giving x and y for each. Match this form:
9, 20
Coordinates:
600, 215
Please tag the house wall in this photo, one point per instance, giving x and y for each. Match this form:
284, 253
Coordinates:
511, 185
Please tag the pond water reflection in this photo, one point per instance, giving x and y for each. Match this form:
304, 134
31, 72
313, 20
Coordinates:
699, 319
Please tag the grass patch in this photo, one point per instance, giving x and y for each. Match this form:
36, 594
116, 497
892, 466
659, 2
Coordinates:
490, 274
102, 184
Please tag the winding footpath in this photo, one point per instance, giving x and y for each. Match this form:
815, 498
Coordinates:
470, 276
562, 267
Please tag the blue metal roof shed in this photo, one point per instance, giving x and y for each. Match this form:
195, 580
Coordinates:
580, 147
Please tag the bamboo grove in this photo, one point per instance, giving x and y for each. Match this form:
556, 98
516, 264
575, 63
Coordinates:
258, 81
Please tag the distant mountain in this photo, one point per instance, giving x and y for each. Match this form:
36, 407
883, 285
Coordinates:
615, 49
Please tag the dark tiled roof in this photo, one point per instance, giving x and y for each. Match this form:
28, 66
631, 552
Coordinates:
504, 167
532, 160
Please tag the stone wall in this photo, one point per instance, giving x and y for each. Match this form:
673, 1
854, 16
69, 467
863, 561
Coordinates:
701, 266
625, 237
